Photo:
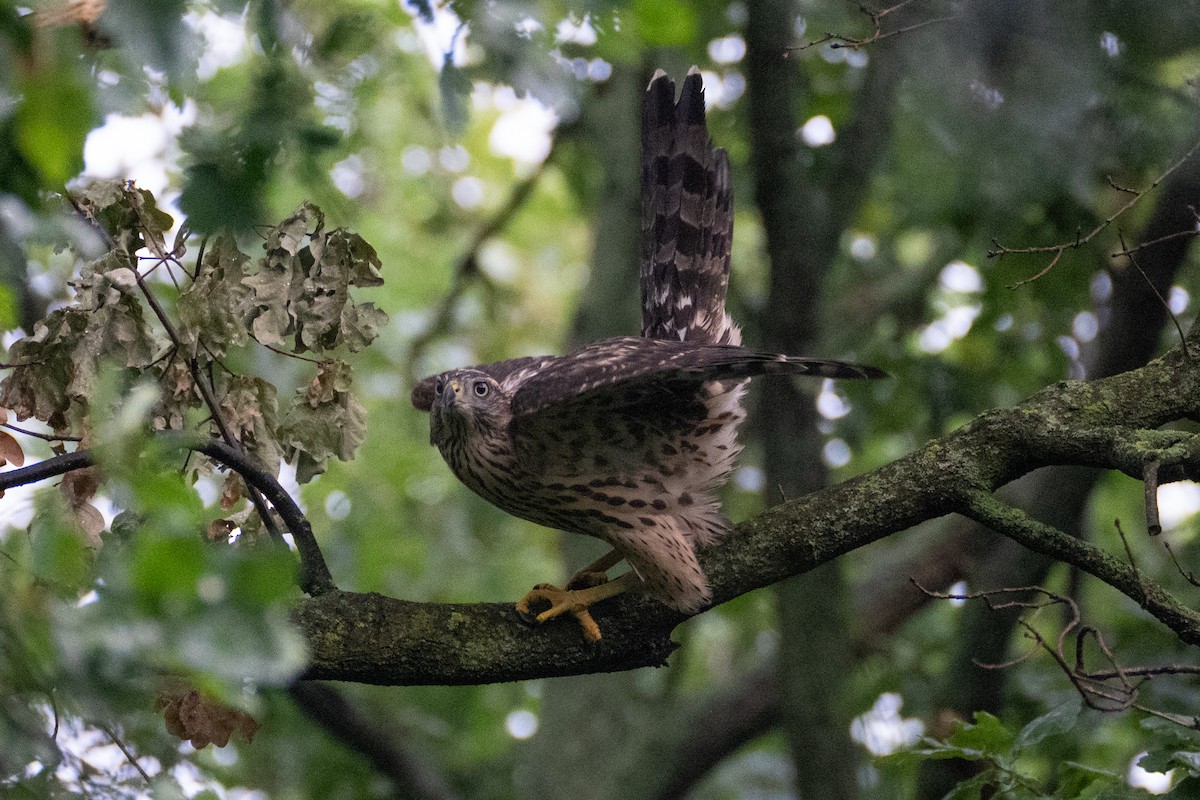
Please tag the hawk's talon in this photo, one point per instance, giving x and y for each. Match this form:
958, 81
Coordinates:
561, 601
574, 601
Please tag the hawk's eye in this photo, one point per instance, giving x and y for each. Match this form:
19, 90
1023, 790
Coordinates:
439, 387
481, 389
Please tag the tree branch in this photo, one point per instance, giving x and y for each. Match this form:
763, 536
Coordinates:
1048, 540
315, 578
413, 777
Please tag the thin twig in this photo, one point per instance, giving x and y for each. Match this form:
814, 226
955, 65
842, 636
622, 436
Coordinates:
316, 577
1166, 306
999, 250
878, 34
296, 356
1094, 688
1132, 564
125, 750
1148, 672
46, 437
1188, 575
206, 392
1166, 238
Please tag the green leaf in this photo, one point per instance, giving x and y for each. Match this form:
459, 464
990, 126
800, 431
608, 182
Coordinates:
153, 33
237, 646
8, 308
1172, 733
126, 524
665, 23
972, 788
52, 122
1188, 789
1054, 723
936, 751
987, 735
260, 576
166, 568
221, 193
1082, 782
59, 556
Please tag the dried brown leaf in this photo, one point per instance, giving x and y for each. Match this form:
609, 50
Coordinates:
219, 529
79, 486
10, 450
91, 521
202, 720
232, 491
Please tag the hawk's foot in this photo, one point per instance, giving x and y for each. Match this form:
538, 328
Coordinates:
574, 600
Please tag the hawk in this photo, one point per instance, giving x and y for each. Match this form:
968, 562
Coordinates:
627, 439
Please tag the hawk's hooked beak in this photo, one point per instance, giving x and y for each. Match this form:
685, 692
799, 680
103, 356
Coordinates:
448, 399
450, 393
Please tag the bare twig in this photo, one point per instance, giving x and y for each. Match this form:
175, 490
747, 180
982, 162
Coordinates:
878, 34
1112, 689
281, 352
46, 437
1166, 238
1132, 564
998, 250
315, 577
1166, 306
1148, 672
1188, 575
125, 750
209, 398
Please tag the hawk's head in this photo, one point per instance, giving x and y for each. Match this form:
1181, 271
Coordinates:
466, 403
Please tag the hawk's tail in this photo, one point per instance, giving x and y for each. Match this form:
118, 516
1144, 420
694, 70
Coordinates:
687, 218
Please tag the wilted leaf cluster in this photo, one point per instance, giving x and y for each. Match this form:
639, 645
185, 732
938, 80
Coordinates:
297, 297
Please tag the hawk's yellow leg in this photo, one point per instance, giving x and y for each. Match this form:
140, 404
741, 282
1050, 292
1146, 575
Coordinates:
594, 573
577, 601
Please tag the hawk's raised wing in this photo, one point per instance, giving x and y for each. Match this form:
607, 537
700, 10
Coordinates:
687, 218
625, 367
615, 404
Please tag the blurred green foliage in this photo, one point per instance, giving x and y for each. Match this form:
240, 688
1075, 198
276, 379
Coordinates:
1005, 126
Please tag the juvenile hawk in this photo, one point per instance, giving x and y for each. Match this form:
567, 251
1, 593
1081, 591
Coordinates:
628, 439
